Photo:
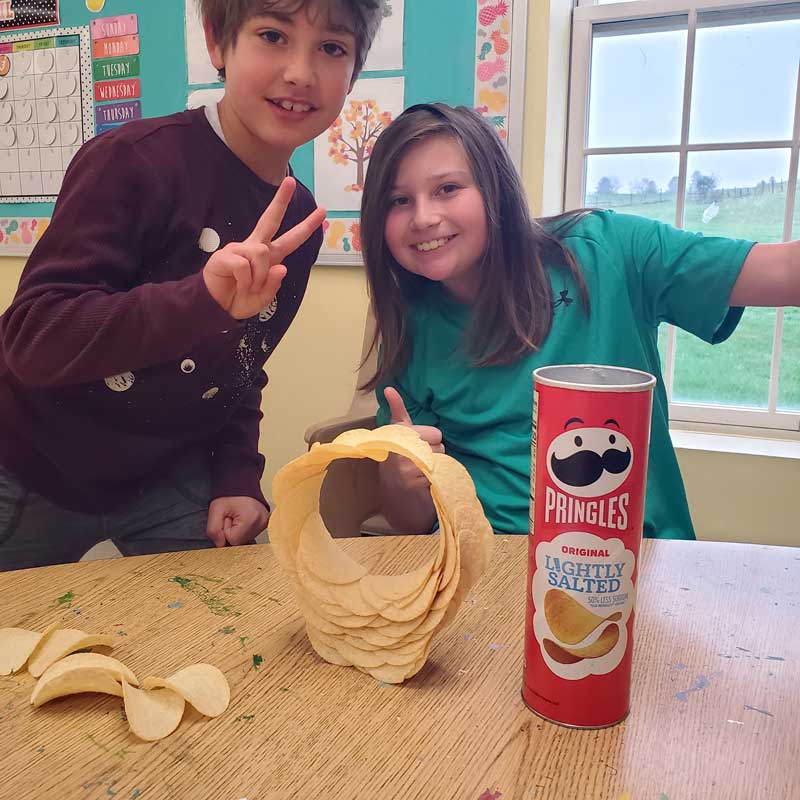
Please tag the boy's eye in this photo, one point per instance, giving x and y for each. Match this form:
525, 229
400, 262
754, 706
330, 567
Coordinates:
273, 37
333, 49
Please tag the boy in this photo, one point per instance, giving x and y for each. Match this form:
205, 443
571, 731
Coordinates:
131, 367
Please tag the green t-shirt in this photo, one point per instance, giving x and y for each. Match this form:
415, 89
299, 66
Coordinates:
639, 273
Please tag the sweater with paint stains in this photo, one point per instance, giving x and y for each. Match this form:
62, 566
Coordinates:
115, 360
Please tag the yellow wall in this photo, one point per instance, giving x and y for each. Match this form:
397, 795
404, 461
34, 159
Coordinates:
10, 270
313, 372
312, 375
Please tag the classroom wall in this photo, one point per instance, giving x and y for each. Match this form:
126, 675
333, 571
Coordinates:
312, 374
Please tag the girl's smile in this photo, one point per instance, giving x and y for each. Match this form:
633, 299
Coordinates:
436, 223
433, 244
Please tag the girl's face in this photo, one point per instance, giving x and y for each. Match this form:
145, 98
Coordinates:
436, 223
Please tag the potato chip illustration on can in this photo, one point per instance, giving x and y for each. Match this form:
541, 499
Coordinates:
589, 448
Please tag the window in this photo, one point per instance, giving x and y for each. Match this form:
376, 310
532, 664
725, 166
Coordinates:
689, 113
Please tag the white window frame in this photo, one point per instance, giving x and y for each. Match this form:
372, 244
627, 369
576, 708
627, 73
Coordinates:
587, 14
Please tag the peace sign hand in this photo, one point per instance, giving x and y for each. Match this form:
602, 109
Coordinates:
244, 277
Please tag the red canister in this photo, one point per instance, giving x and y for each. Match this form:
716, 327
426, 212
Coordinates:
591, 432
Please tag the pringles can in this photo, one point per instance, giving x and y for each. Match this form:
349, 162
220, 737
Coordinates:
591, 433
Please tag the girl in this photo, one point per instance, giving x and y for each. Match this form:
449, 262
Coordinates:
470, 295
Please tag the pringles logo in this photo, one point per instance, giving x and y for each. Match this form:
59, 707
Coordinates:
587, 464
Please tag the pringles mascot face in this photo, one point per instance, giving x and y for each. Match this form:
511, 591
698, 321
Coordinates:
589, 462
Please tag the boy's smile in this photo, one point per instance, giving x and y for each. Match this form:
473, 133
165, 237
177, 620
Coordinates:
286, 79
436, 222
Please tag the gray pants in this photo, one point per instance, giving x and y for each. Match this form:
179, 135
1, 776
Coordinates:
166, 515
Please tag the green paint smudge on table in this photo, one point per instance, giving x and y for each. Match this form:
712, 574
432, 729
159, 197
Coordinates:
216, 605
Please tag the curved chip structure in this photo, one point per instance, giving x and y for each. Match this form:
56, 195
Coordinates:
381, 624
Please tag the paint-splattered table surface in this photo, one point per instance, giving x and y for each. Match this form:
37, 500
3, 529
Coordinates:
716, 693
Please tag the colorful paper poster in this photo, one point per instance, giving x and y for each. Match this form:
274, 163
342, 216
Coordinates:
342, 153
387, 49
27, 13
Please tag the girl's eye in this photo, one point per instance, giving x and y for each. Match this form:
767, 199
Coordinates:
333, 49
397, 201
449, 188
273, 37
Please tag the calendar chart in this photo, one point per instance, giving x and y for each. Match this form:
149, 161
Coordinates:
46, 110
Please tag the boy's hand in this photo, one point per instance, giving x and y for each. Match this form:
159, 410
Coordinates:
401, 471
244, 277
235, 520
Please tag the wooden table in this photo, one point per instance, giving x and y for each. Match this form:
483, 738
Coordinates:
716, 694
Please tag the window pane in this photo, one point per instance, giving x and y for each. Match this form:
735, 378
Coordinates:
735, 373
628, 61
738, 193
789, 382
639, 183
745, 75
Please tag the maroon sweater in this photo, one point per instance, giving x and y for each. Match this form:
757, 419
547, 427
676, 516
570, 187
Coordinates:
115, 360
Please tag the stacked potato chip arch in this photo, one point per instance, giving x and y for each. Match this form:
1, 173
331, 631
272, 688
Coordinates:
381, 624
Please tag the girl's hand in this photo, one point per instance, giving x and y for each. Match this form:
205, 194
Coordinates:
399, 470
244, 277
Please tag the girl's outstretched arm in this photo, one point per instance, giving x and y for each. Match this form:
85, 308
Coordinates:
770, 276
405, 492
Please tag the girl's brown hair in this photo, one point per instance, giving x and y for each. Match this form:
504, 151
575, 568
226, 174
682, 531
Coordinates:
514, 309
361, 17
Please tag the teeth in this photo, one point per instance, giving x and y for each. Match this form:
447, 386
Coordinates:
293, 106
433, 245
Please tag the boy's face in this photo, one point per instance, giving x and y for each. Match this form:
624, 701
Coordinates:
286, 79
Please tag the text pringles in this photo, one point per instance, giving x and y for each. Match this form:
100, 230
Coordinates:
591, 430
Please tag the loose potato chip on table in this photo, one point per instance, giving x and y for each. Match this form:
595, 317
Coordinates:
381, 624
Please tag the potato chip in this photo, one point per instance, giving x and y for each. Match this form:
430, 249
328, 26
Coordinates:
154, 714
81, 672
62, 642
16, 649
381, 624
569, 621
327, 561
76, 681
16, 646
604, 644
203, 686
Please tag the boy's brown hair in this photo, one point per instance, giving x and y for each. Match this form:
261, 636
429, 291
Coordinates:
362, 17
